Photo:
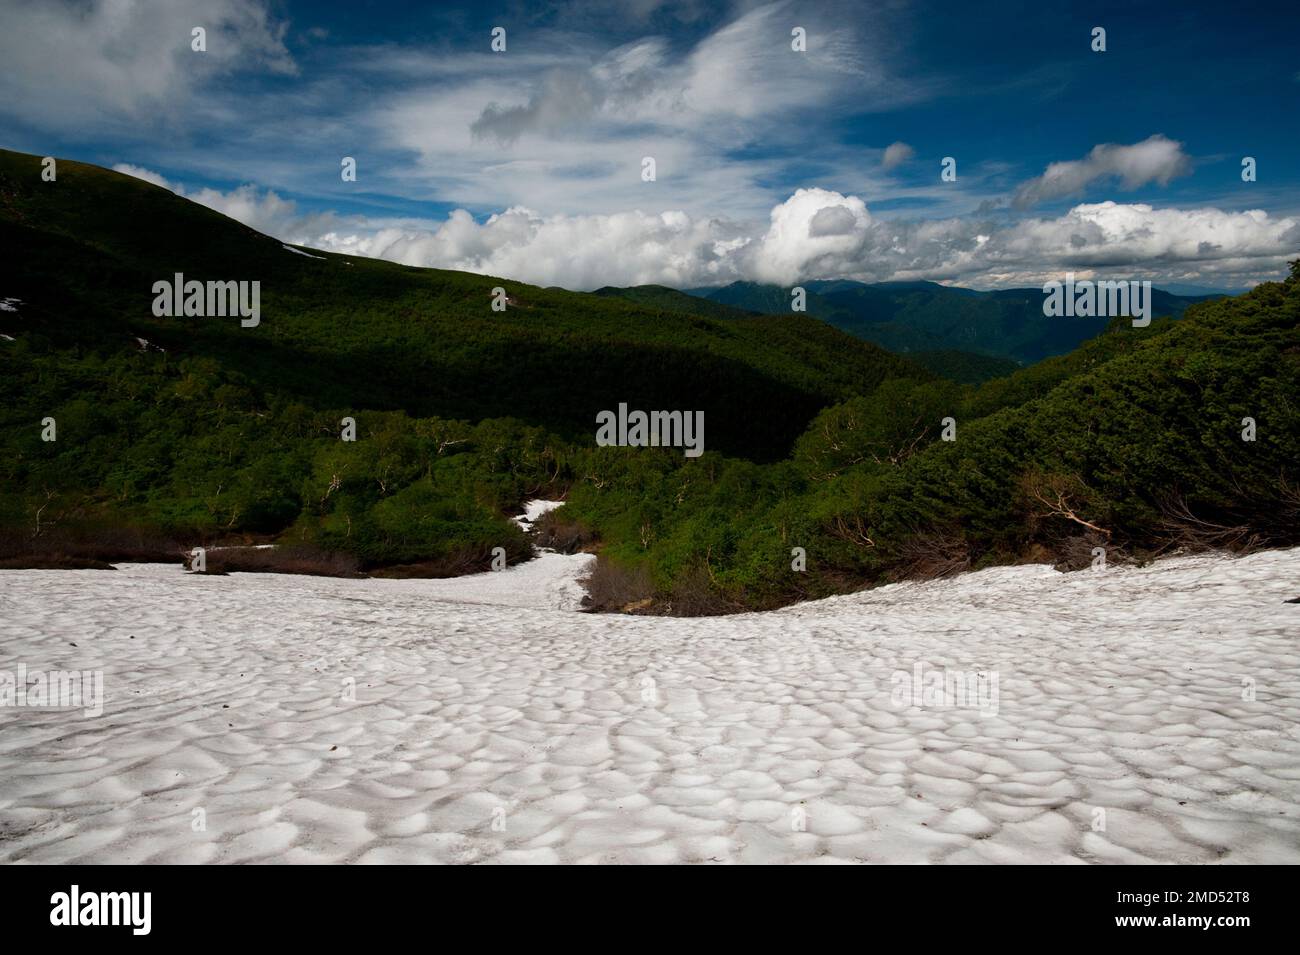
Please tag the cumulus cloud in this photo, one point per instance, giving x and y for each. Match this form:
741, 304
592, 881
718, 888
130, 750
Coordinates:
895, 155
1155, 159
579, 252
797, 245
831, 220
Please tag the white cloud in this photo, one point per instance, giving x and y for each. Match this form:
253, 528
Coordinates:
831, 220
262, 210
69, 62
566, 134
748, 69
895, 155
797, 246
558, 125
814, 234
1155, 159
580, 252
148, 175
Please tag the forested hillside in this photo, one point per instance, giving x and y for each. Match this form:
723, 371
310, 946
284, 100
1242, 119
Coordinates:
172, 432
966, 367
199, 428
1182, 435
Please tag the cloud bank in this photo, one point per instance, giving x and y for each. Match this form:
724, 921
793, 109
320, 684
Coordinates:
813, 234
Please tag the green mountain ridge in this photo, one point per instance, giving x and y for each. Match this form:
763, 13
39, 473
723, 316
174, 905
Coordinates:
909, 317
342, 331
960, 366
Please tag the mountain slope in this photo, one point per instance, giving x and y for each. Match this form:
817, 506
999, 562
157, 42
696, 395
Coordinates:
964, 367
671, 300
909, 317
1185, 434
339, 331
175, 431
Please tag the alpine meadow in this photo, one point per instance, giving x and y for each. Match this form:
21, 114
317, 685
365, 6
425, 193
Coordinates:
754, 432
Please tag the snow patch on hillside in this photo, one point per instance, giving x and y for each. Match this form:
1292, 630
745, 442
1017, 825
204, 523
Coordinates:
301, 252
533, 510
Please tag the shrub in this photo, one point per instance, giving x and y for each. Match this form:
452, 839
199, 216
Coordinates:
612, 586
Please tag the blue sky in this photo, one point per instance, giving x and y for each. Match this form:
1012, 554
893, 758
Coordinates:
771, 164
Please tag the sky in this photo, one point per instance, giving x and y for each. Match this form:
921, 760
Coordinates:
771, 163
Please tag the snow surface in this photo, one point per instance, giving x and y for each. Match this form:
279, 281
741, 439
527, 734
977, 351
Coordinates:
533, 510
490, 726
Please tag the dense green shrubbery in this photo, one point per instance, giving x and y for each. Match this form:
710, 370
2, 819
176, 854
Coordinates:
1133, 443
180, 448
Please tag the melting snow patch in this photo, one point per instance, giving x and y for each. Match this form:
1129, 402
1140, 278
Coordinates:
301, 252
1142, 715
533, 510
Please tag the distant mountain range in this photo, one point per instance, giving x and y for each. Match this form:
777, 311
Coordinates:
919, 317
964, 367
961, 334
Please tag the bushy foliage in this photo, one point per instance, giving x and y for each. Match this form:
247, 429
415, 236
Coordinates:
1134, 442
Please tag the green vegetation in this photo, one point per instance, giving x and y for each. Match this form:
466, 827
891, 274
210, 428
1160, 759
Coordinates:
965, 367
670, 300
213, 433
1132, 443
